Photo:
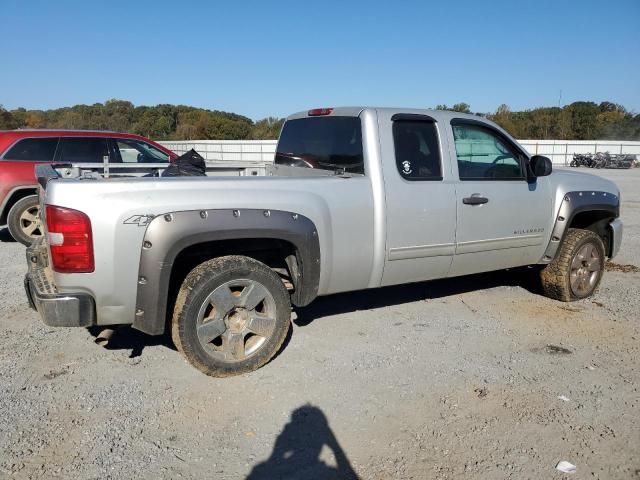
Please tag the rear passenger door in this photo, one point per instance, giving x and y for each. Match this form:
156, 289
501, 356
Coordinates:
501, 216
420, 198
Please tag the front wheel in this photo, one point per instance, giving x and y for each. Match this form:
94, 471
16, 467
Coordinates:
576, 271
24, 220
232, 315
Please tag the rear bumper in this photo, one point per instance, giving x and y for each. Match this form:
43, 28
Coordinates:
616, 236
56, 309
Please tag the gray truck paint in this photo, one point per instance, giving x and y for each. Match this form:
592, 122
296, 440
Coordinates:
373, 230
574, 203
56, 309
169, 234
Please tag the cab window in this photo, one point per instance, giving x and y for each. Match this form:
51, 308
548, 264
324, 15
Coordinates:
327, 143
484, 154
417, 150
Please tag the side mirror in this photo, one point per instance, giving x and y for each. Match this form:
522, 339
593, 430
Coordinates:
540, 166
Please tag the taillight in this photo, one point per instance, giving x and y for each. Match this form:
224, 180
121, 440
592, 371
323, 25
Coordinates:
317, 112
70, 240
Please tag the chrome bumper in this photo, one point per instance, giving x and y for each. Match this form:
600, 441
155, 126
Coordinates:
616, 236
56, 309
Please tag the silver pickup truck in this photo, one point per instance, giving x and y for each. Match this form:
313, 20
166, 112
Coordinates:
357, 198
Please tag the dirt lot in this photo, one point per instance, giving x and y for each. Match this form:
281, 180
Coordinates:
450, 379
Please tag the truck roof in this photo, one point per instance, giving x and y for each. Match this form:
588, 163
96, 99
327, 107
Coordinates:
356, 111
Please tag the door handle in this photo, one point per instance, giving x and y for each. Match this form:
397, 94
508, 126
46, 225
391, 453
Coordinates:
475, 199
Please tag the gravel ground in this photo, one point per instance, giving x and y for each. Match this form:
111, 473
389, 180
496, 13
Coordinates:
450, 379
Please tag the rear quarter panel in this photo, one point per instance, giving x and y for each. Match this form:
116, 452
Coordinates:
341, 209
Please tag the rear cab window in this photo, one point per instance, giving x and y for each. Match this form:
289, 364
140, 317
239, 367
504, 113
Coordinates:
39, 149
328, 143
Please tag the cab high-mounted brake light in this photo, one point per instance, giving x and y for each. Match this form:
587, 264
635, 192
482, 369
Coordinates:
70, 240
318, 112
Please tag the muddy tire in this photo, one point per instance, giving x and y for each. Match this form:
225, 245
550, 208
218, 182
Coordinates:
231, 316
24, 220
576, 271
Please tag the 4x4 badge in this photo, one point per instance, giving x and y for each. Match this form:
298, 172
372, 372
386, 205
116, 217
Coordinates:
139, 220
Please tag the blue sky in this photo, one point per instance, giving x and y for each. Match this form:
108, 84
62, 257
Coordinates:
261, 58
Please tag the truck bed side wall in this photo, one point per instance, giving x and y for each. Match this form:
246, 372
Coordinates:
340, 208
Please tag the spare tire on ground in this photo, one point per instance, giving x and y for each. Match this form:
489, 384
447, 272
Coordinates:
191, 164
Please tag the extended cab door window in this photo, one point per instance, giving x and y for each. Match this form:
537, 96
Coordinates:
83, 150
33, 149
483, 154
416, 149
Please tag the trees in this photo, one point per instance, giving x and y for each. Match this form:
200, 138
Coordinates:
503, 117
160, 122
7, 120
576, 121
458, 107
583, 119
267, 128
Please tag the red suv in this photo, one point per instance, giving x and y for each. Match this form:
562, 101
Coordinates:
100, 152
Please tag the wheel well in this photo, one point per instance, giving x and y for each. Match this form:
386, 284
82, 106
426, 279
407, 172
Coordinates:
279, 255
15, 196
598, 222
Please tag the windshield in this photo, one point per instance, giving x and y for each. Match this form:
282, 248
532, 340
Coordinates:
328, 143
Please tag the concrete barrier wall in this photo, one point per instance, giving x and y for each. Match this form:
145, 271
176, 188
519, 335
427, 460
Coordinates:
258, 151
561, 151
227, 150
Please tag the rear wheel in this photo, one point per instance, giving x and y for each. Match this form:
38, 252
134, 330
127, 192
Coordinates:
232, 314
24, 220
576, 271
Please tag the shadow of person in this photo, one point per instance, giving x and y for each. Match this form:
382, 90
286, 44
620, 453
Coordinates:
296, 454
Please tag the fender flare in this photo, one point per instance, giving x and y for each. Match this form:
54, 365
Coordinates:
572, 204
169, 234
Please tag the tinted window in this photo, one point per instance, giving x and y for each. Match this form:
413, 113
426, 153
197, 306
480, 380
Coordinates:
82, 150
135, 151
330, 143
34, 149
484, 154
417, 152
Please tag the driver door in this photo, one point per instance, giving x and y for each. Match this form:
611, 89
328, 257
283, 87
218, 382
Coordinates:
501, 217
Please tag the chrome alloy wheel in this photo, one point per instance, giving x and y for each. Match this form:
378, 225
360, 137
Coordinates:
585, 270
236, 320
